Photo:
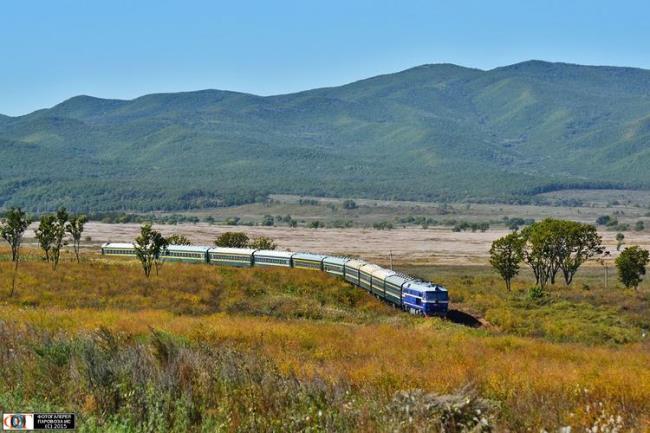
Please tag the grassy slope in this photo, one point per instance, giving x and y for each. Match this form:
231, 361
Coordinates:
457, 132
344, 350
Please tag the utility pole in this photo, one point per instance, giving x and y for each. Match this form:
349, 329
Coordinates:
390, 254
603, 261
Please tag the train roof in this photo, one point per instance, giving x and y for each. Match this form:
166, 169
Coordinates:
382, 273
399, 279
336, 260
355, 264
309, 256
228, 250
370, 268
117, 245
274, 253
425, 286
188, 248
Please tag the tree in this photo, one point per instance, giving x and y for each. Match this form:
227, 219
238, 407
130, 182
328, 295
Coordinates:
578, 243
75, 228
619, 241
45, 234
349, 204
58, 231
177, 239
639, 226
262, 243
505, 255
232, 240
148, 247
539, 251
12, 229
631, 265
604, 263
557, 245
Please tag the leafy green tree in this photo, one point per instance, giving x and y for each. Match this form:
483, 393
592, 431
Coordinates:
349, 204
148, 247
639, 226
177, 239
539, 252
262, 243
578, 243
45, 234
59, 230
51, 235
505, 255
620, 237
12, 229
75, 228
558, 245
232, 240
631, 265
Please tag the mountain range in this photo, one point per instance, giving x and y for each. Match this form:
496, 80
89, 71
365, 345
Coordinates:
433, 132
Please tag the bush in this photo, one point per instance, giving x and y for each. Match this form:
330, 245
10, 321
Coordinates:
262, 243
382, 225
232, 240
232, 221
603, 220
536, 293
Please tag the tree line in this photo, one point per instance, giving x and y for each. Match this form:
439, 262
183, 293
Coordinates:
53, 233
558, 247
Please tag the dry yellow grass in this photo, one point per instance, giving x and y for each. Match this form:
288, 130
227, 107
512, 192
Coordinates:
538, 383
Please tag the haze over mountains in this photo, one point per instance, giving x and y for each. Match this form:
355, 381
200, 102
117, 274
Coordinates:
432, 132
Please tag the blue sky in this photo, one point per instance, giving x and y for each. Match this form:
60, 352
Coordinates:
53, 50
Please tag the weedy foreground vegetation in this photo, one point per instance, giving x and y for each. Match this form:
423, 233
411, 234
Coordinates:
205, 348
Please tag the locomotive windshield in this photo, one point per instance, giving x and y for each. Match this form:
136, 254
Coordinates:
437, 296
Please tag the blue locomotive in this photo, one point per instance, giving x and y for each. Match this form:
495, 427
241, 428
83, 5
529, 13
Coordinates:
405, 292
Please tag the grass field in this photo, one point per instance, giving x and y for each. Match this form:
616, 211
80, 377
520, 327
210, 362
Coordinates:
201, 348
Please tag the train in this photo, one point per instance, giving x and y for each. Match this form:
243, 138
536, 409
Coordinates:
397, 289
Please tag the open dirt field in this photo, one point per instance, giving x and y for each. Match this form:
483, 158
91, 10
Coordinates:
407, 245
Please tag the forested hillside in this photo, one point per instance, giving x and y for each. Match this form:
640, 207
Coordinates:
433, 132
